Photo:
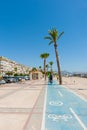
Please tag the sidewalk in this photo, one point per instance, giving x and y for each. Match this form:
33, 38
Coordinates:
21, 105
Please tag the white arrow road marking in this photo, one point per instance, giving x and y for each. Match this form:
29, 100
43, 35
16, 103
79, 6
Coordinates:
78, 119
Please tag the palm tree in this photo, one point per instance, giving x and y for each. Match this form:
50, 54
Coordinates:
44, 56
40, 68
47, 67
51, 63
53, 37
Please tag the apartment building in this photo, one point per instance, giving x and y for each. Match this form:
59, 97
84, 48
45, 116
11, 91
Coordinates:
7, 65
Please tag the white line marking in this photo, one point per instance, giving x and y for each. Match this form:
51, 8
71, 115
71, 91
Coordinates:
60, 94
75, 93
44, 109
78, 119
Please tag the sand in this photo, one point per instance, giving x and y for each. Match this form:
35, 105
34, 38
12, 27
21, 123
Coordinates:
77, 85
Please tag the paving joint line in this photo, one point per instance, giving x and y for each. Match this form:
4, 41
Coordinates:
28, 120
10, 93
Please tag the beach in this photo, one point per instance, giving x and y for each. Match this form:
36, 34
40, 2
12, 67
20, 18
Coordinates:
77, 85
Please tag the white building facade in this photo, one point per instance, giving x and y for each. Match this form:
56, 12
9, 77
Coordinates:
7, 65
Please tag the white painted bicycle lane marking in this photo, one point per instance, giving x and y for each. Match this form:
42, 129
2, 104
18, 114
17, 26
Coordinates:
60, 94
80, 122
78, 104
55, 103
58, 114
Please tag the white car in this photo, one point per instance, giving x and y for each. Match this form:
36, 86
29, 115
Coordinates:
2, 81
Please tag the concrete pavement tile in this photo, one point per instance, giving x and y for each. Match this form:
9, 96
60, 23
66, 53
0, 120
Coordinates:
35, 122
40, 102
26, 99
12, 121
3, 92
15, 110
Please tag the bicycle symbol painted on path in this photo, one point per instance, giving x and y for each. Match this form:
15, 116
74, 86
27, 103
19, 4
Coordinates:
64, 117
55, 103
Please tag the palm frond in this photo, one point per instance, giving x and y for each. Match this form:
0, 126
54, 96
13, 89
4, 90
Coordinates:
54, 34
51, 62
44, 55
60, 35
50, 42
48, 37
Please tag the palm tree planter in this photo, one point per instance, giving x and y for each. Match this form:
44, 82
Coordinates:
44, 56
53, 37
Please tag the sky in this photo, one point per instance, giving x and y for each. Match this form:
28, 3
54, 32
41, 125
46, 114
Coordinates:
25, 23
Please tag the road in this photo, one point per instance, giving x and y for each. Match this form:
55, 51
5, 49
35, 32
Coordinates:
64, 110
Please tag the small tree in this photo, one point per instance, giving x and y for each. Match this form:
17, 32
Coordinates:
15, 69
9, 73
34, 69
16, 74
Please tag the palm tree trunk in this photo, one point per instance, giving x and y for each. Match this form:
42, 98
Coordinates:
45, 68
58, 64
51, 69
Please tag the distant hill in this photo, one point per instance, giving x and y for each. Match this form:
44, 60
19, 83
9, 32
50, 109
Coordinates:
79, 74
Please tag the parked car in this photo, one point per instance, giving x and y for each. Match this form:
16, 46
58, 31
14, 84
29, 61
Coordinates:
16, 79
9, 79
26, 77
2, 81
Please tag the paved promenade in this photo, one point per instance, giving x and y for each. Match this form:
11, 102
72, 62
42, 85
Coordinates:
21, 105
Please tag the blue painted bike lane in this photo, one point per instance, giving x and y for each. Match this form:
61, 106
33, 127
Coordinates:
64, 110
